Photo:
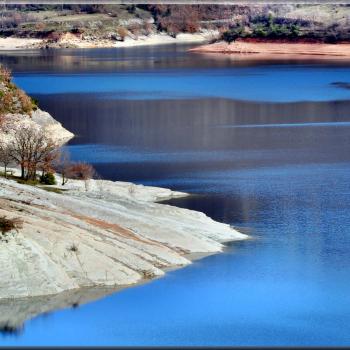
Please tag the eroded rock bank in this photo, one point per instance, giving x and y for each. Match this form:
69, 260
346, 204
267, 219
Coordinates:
280, 49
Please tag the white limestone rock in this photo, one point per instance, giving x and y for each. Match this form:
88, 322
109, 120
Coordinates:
103, 237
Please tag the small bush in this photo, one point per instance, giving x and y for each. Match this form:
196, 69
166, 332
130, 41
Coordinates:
233, 34
229, 36
147, 274
48, 179
73, 248
7, 225
35, 103
25, 100
122, 33
5, 75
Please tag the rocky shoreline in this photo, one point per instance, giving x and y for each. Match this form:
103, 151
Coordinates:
120, 234
89, 234
73, 41
94, 232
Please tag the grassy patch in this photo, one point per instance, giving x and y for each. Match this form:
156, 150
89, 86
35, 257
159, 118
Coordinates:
53, 189
35, 183
26, 182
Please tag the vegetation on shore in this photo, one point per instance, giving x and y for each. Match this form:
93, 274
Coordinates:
273, 28
27, 145
315, 22
13, 99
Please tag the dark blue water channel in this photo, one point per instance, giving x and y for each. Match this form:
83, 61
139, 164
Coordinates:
264, 146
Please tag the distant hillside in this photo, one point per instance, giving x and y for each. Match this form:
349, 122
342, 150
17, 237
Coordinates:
321, 22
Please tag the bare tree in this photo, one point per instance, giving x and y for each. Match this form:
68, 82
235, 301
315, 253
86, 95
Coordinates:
5, 156
48, 161
30, 148
178, 18
62, 164
82, 171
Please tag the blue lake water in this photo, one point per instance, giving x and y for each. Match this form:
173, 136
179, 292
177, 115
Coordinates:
258, 83
264, 146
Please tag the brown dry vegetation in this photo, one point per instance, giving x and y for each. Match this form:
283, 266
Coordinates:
7, 225
13, 99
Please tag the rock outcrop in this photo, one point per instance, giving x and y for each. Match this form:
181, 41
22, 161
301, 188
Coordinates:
38, 118
114, 234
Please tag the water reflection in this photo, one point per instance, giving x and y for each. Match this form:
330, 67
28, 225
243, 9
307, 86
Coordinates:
14, 312
178, 136
141, 58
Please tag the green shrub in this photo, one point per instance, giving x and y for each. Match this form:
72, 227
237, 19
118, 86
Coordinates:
48, 179
233, 34
260, 32
295, 30
35, 103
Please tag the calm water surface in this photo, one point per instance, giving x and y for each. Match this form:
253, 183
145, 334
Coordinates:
265, 147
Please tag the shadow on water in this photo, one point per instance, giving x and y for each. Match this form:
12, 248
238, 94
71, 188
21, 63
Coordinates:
14, 312
9, 330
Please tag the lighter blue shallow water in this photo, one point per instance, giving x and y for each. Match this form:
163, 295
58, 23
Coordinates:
280, 172
282, 84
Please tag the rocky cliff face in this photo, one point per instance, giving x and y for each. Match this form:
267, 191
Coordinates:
17, 110
38, 118
51, 127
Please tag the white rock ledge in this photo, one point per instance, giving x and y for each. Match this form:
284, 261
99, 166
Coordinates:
122, 236
52, 127
91, 239
38, 118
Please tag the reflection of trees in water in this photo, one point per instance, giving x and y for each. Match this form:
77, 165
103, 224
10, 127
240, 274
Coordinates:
136, 58
8, 329
188, 131
14, 312
191, 124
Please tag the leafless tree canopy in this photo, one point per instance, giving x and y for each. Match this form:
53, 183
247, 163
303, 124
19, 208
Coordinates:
82, 171
32, 150
62, 165
5, 156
